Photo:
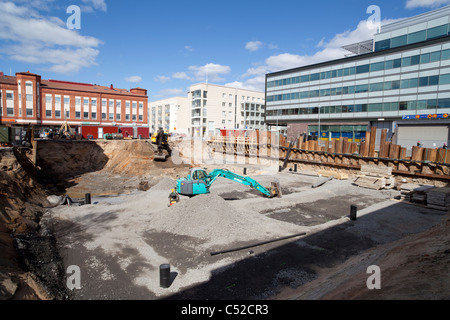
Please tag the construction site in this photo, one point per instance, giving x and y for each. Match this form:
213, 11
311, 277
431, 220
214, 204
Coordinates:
233, 218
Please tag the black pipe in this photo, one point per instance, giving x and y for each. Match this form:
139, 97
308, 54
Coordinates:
318, 184
257, 244
164, 275
87, 198
353, 212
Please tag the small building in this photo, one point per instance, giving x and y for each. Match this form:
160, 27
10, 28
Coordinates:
215, 107
171, 114
27, 99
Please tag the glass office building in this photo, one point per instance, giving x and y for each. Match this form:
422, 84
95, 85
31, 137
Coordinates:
401, 82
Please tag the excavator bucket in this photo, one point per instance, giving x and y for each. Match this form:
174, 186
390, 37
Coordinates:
159, 157
275, 190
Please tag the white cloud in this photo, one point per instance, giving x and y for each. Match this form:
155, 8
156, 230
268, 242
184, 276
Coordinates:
133, 79
254, 77
34, 39
211, 72
35, 4
253, 45
170, 93
181, 76
96, 4
162, 79
189, 48
412, 4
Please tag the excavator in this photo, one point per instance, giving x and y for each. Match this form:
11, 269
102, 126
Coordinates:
162, 142
199, 182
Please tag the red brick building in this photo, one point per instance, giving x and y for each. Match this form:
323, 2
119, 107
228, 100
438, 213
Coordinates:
90, 109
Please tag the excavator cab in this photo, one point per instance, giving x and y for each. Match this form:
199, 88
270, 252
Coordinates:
194, 184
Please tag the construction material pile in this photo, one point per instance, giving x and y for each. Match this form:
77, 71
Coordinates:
375, 177
215, 221
414, 192
438, 198
431, 196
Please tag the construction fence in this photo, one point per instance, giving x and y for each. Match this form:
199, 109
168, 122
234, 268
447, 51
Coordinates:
340, 153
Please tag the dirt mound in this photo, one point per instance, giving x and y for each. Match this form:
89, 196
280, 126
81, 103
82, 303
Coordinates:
61, 161
164, 184
21, 198
214, 221
22, 202
416, 267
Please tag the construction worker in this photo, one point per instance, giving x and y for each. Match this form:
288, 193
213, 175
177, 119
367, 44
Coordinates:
173, 197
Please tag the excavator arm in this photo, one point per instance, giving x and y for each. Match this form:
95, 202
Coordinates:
272, 192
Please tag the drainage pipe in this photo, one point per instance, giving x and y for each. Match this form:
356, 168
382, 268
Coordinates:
257, 244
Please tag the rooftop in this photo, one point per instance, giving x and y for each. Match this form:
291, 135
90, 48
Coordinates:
74, 86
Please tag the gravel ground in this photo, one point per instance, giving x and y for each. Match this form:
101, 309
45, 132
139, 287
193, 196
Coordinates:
119, 243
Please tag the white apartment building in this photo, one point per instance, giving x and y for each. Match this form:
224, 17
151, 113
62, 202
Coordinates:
215, 107
171, 114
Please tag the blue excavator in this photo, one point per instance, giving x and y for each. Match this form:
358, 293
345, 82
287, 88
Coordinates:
199, 182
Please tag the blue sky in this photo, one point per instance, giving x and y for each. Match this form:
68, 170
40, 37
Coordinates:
165, 46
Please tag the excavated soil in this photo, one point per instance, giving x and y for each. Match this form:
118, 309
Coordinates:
100, 167
22, 203
121, 238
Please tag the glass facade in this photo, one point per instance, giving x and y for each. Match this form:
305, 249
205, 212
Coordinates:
373, 87
410, 38
355, 133
379, 66
414, 105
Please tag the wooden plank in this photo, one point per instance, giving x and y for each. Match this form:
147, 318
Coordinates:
365, 151
370, 182
362, 148
282, 141
394, 151
353, 147
383, 143
417, 153
339, 144
333, 145
430, 154
315, 145
402, 153
441, 155
373, 136
376, 171
345, 145
300, 142
307, 145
